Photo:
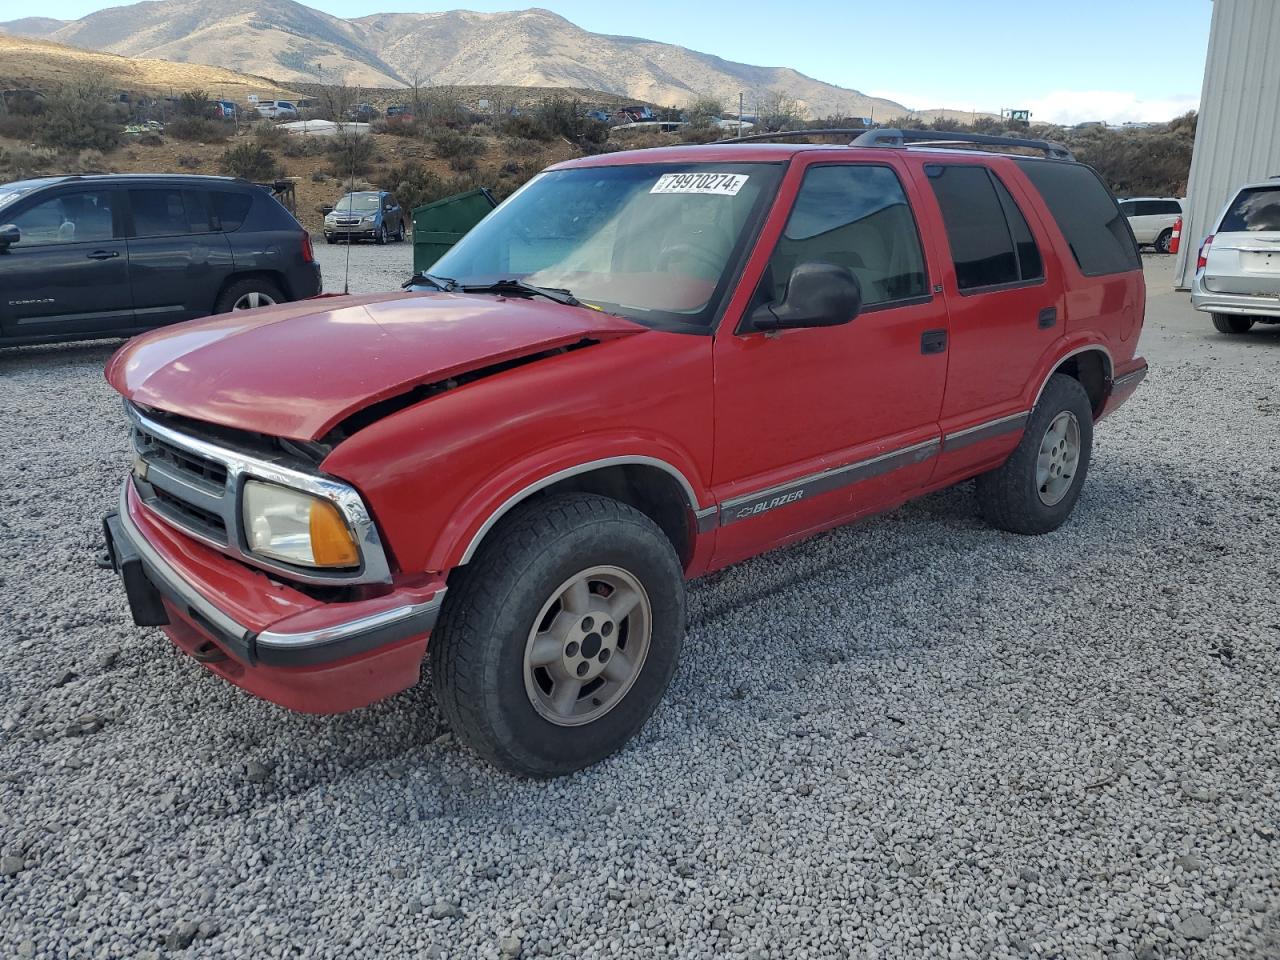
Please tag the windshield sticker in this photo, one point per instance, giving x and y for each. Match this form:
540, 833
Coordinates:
718, 184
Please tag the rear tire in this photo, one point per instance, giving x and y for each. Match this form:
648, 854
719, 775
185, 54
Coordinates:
1035, 490
533, 665
1230, 323
248, 294
1164, 241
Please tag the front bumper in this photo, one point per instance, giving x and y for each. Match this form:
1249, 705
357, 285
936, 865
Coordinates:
342, 233
270, 639
1234, 303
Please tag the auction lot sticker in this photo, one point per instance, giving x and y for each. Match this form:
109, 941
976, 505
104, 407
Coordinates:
719, 184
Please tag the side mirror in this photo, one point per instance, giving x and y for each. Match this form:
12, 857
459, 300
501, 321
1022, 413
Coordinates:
9, 235
818, 295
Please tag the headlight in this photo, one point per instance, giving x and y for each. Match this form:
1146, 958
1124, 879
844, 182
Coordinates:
371, 219
296, 527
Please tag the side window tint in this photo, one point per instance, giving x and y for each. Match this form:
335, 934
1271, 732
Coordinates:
197, 211
1095, 230
981, 245
854, 216
159, 213
1128, 208
1030, 266
68, 218
231, 209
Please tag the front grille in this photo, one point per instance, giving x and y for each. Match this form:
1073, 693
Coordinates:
187, 489
199, 469
184, 514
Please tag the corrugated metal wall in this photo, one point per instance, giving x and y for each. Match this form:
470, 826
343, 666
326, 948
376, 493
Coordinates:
1238, 134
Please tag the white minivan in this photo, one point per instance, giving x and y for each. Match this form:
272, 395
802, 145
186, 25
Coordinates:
1238, 269
1152, 219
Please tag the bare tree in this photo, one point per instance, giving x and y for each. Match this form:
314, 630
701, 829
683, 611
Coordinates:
779, 110
337, 100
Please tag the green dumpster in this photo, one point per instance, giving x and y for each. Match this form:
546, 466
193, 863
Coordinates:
437, 226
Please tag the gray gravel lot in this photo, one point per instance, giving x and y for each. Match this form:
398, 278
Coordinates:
910, 737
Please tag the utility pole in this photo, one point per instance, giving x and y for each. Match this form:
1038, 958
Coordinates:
739, 114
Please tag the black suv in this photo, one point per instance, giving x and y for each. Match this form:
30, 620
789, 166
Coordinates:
109, 256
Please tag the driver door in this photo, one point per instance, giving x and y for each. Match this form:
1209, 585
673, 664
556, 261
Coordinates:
816, 426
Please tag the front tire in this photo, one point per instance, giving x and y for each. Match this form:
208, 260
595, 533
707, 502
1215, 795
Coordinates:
558, 640
1035, 490
1232, 324
382, 236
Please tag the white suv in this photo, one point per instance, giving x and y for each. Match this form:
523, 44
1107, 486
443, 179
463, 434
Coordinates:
1152, 219
1238, 269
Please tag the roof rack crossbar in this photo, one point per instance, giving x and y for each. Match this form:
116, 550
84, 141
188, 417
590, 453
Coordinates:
780, 134
889, 137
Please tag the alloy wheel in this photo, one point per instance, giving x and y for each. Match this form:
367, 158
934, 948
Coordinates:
587, 646
1058, 459
253, 300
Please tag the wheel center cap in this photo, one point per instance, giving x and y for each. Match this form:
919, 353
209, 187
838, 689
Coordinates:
591, 645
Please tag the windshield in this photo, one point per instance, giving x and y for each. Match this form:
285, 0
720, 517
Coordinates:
651, 242
357, 201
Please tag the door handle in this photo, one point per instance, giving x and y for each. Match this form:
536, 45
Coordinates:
104, 254
933, 341
1047, 318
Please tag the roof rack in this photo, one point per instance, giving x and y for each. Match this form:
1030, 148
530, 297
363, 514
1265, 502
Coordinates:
780, 134
891, 137
888, 137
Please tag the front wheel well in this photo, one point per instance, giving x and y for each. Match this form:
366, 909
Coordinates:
1092, 368
655, 492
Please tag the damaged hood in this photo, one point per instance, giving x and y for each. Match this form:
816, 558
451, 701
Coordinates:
298, 369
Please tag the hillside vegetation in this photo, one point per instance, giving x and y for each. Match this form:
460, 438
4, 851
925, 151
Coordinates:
42, 64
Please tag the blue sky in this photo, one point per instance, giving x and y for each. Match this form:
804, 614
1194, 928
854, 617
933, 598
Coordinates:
1067, 61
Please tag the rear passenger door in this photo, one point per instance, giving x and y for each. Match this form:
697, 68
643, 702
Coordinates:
1005, 309
177, 261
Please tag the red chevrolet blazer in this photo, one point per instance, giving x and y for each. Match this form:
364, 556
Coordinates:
641, 367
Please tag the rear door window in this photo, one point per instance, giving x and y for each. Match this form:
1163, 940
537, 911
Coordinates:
231, 209
1257, 208
1096, 231
159, 212
991, 244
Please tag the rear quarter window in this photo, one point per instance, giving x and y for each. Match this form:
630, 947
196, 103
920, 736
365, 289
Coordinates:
1092, 223
1257, 208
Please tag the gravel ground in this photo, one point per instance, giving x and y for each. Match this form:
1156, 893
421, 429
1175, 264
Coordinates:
910, 737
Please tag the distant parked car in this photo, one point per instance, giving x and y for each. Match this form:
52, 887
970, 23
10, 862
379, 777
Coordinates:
363, 112
1152, 219
110, 256
226, 109
1238, 268
367, 215
277, 110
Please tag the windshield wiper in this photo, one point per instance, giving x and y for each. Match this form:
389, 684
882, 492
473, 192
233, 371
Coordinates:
512, 285
440, 283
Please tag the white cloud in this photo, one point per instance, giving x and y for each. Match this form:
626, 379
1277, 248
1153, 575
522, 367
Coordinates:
1062, 106
1113, 106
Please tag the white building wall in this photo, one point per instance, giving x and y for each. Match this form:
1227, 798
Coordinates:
1238, 133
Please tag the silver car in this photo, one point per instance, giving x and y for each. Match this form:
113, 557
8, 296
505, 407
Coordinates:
1238, 269
1152, 220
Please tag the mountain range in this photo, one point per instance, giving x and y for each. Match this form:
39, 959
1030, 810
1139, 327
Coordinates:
291, 42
